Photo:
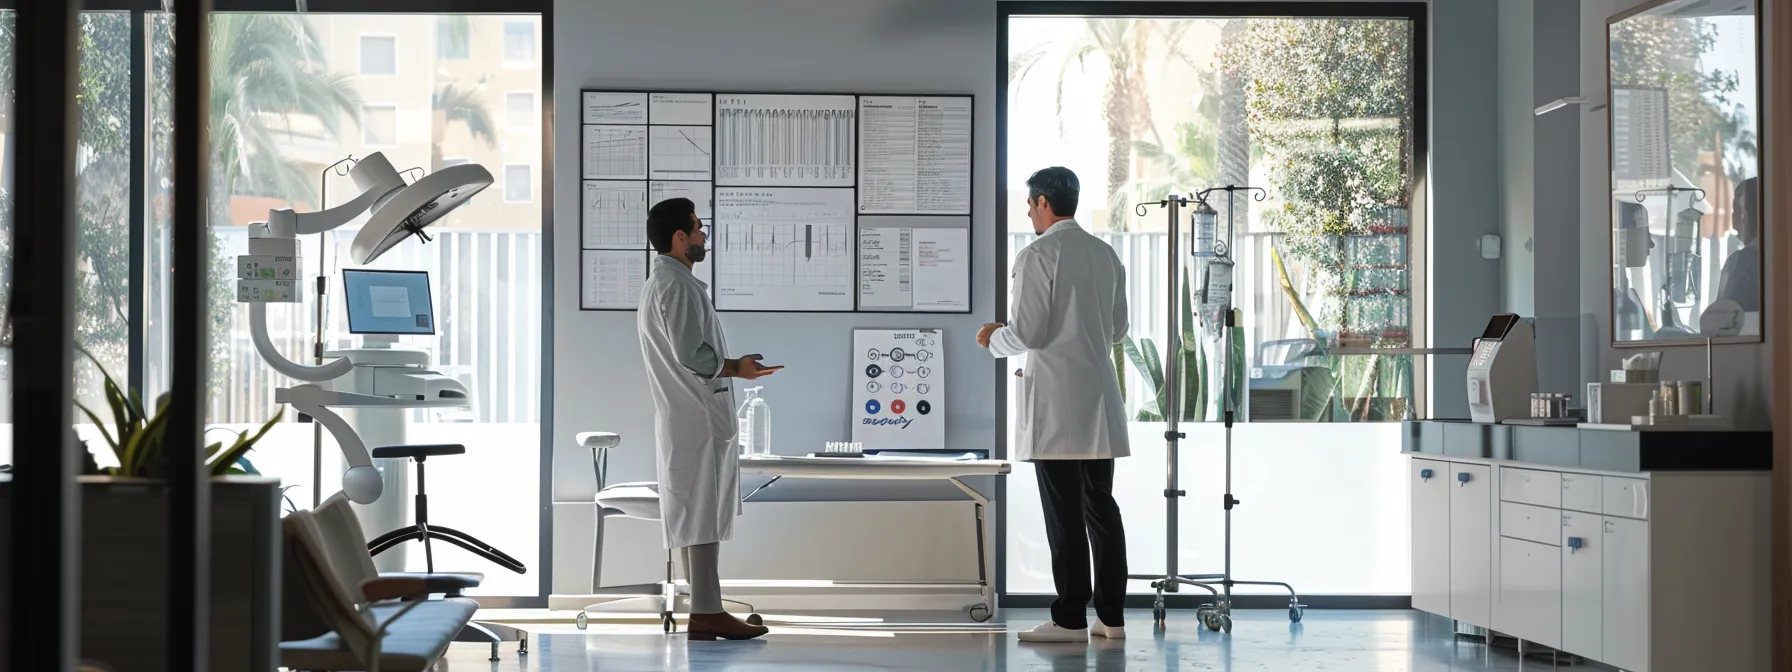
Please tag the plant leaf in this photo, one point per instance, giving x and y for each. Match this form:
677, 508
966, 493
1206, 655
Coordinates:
244, 444
96, 421
1154, 381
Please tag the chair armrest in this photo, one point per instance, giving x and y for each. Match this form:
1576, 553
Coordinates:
415, 586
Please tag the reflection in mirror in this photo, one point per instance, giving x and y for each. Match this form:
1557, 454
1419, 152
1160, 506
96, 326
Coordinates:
1686, 234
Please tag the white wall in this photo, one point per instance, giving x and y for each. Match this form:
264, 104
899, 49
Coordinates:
1743, 388
864, 46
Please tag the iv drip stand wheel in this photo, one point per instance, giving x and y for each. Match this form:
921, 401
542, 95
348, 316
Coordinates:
1215, 615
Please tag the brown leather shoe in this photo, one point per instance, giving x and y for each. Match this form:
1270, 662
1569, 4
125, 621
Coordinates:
709, 627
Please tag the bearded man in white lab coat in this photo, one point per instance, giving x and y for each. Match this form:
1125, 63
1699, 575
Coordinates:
1069, 293
693, 402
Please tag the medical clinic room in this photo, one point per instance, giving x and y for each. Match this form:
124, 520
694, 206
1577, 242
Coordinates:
864, 335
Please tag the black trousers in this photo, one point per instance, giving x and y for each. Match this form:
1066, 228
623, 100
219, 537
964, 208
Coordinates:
1081, 516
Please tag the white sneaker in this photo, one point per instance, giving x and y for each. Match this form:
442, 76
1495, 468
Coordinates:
1049, 632
1100, 629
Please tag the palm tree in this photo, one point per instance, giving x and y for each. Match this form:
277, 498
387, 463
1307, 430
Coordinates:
1126, 108
267, 69
456, 103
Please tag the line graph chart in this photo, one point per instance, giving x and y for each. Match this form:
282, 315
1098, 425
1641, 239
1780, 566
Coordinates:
784, 248
615, 152
680, 152
615, 215
615, 107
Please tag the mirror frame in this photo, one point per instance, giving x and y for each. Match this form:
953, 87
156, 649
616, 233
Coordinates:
1760, 198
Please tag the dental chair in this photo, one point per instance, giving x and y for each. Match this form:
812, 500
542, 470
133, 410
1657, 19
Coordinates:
639, 500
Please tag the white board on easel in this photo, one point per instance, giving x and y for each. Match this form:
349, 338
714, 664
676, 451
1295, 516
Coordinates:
899, 389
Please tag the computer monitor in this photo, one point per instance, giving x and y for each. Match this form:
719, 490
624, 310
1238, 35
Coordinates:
388, 302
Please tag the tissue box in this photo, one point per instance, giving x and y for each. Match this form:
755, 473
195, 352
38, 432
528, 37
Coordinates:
267, 291
1617, 403
261, 267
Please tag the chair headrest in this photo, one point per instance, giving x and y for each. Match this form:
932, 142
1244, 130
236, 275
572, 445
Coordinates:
599, 439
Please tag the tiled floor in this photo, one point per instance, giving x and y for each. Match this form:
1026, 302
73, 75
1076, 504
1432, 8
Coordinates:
1330, 641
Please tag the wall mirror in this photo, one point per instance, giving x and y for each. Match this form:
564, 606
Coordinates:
1683, 108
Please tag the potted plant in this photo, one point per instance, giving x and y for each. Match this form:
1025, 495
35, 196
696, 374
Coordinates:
124, 544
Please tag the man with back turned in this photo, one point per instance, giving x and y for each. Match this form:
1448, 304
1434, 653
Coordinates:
1069, 309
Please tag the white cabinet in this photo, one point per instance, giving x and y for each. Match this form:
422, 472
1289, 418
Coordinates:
1583, 607
1624, 592
1530, 591
1471, 543
1431, 483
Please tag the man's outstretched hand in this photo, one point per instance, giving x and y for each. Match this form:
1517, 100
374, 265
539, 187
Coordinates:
987, 331
748, 368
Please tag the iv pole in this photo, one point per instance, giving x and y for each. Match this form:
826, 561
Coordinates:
1216, 615
317, 343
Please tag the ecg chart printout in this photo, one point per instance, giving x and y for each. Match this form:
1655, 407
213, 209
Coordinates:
615, 215
914, 263
700, 193
684, 109
915, 155
679, 153
615, 152
783, 249
784, 140
612, 279
619, 107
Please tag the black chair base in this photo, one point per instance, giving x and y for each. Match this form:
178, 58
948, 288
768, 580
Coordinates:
425, 532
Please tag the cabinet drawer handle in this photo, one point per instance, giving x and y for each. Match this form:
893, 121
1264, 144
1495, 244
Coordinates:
1462, 477
1425, 474
1576, 543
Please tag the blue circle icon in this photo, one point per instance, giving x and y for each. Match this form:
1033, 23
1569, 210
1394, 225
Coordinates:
872, 407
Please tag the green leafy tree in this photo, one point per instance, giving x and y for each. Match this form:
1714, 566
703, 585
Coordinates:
464, 105
1662, 51
1124, 46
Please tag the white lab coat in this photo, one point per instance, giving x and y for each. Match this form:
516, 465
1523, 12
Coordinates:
694, 425
1069, 310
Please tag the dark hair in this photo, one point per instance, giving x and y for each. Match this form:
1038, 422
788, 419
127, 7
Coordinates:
1749, 191
1060, 188
666, 218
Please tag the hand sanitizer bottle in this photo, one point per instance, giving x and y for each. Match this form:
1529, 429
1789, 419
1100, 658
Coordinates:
755, 417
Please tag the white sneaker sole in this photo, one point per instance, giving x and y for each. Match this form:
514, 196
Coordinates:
1109, 634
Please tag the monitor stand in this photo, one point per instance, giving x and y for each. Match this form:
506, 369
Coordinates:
379, 341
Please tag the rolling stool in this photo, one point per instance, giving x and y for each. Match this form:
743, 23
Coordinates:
422, 530
639, 500
473, 631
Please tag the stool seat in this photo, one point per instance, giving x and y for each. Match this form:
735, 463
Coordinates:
420, 450
604, 440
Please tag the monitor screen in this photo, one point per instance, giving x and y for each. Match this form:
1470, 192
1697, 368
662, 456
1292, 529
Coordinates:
388, 302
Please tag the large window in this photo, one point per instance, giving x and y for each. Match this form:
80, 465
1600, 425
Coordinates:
1321, 114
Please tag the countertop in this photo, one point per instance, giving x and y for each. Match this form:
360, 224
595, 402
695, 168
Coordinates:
1638, 451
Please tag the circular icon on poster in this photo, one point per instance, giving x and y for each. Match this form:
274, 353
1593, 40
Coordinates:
923, 407
873, 387
871, 407
924, 355
874, 371
923, 371
873, 355
898, 407
896, 372
923, 388
898, 388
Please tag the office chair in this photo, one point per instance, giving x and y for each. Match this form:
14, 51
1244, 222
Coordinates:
422, 530
639, 500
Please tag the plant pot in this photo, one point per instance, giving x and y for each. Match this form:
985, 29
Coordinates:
124, 572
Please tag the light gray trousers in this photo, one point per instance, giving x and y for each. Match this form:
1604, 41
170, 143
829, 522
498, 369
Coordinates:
703, 570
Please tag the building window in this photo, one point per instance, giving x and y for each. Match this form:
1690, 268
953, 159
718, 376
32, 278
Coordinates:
517, 188
519, 109
379, 56
453, 35
379, 125
519, 41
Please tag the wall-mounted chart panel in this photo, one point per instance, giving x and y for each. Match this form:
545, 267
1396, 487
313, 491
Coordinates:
915, 155
680, 153
681, 109
914, 263
785, 140
611, 279
615, 212
615, 152
614, 107
783, 249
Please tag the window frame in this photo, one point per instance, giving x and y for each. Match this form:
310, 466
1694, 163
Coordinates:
1417, 13
535, 35
540, 14
533, 113
365, 106
361, 55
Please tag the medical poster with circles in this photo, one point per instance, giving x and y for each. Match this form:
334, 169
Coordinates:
815, 202
898, 389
